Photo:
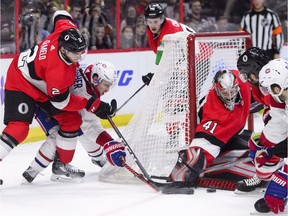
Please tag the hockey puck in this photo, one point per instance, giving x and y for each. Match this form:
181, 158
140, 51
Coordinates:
1, 181
261, 206
211, 190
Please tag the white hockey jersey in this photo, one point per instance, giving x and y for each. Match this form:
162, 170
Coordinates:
276, 129
91, 126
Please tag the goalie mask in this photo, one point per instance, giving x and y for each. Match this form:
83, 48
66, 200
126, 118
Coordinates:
274, 74
103, 70
227, 87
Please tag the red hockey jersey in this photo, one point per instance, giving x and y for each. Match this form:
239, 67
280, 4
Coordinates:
43, 74
218, 124
169, 26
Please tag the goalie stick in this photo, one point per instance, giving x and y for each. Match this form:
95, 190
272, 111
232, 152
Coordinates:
166, 188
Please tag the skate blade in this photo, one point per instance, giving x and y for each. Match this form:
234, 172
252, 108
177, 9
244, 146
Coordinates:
25, 182
250, 193
63, 178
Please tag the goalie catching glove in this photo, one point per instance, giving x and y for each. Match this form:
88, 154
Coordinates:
100, 108
115, 152
147, 78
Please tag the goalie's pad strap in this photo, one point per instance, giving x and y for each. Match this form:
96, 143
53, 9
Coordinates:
216, 183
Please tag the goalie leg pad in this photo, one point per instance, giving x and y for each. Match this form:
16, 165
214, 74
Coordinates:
189, 166
265, 172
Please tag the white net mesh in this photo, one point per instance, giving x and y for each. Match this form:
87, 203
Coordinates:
164, 122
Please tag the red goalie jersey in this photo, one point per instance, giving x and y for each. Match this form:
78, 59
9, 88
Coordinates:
218, 124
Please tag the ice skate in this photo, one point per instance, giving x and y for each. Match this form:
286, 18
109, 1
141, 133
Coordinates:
251, 185
66, 172
29, 175
99, 161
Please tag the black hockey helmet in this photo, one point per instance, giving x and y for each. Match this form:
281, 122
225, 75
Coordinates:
154, 10
251, 61
72, 40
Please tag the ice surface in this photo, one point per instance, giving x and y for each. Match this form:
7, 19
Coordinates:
94, 198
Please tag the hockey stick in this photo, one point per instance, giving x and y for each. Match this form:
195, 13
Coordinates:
208, 182
139, 176
166, 188
130, 98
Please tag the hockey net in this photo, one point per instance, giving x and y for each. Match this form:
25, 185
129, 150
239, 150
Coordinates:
166, 120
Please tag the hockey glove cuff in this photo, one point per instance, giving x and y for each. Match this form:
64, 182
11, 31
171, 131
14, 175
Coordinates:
115, 152
106, 109
257, 150
92, 104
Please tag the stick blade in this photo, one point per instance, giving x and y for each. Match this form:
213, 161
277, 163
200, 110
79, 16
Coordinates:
177, 190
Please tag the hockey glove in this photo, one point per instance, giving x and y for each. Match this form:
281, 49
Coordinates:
92, 104
106, 109
147, 78
115, 152
259, 152
277, 192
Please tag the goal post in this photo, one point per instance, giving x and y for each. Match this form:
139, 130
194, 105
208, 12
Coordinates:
167, 116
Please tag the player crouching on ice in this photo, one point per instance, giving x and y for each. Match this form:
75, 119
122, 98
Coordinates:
92, 136
268, 151
223, 114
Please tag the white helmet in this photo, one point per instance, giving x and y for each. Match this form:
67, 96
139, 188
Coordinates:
104, 70
227, 87
274, 73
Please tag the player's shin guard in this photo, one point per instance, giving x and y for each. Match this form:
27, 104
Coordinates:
65, 145
189, 166
44, 156
7, 143
94, 151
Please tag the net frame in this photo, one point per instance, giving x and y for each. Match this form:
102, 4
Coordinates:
189, 66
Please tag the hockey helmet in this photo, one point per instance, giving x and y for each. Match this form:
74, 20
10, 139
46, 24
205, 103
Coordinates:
61, 13
154, 10
251, 61
275, 73
103, 70
226, 86
72, 40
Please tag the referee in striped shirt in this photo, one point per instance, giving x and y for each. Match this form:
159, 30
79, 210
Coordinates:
265, 28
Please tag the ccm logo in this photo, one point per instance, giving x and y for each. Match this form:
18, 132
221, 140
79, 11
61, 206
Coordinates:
125, 77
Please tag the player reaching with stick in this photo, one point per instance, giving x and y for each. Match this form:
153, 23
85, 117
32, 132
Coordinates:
268, 153
42, 75
249, 64
92, 136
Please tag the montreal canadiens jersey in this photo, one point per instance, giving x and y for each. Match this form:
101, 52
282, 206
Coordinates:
91, 126
169, 26
218, 124
276, 130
